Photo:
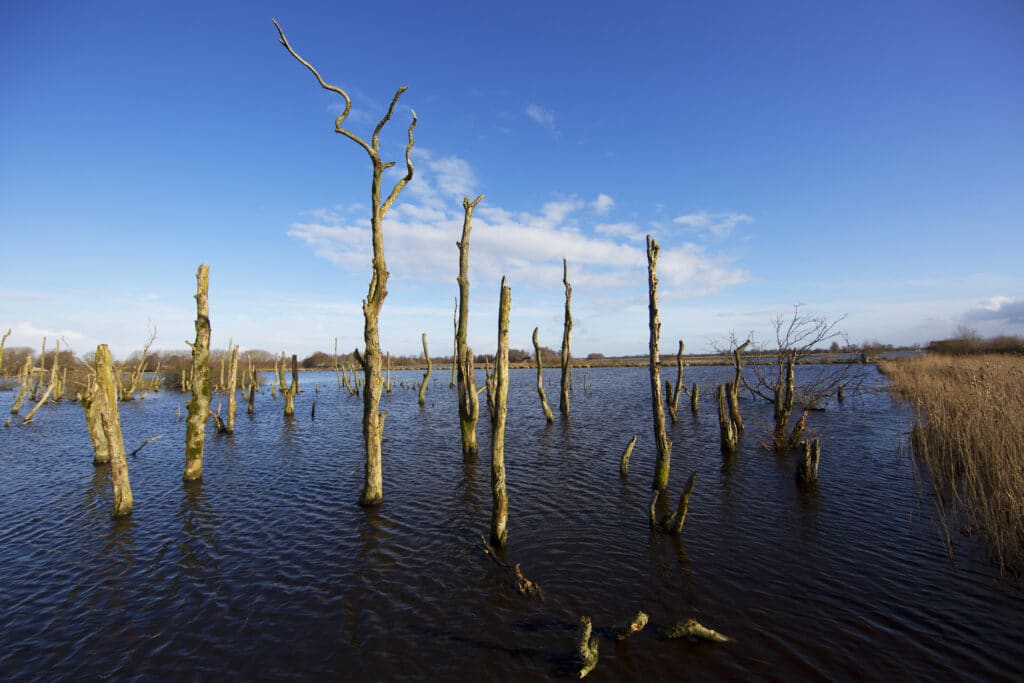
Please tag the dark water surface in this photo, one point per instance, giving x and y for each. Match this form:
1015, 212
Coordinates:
269, 569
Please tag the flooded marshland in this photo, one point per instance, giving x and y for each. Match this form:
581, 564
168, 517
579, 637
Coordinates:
268, 568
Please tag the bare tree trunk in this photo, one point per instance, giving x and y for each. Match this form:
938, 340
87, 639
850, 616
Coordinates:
661, 467
674, 402
784, 397
499, 511
548, 415
734, 387
426, 376
253, 385
674, 523
807, 468
112, 431
725, 424
199, 406
563, 404
469, 405
92, 399
26, 371
624, 460
292, 389
373, 418
694, 396
232, 389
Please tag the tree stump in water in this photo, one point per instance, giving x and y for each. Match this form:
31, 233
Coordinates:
563, 404
199, 406
664, 446
807, 467
624, 461
726, 428
548, 415
499, 511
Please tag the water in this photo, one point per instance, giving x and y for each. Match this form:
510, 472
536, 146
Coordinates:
269, 569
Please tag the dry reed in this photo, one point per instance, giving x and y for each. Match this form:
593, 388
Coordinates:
969, 434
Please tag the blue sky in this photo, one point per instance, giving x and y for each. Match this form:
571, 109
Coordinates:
864, 159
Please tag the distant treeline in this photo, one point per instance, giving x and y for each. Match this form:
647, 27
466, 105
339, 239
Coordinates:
966, 344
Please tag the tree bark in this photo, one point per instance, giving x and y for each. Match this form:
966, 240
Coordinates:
26, 371
675, 522
499, 511
426, 376
674, 402
784, 397
725, 425
694, 395
199, 406
624, 460
664, 446
92, 403
734, 388
469, 405
548, 415
111, 422
292, 389
232, 388
807, 468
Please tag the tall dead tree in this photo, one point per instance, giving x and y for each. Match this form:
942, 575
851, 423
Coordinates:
426, 376
469, 405
499, 511
373, 418
199, 406
563, 404
548, 415
734, 387
664, 446
111, 422
232, 389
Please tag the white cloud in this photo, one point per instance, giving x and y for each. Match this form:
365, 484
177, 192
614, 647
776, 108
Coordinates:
28, 330
998, 308
602, 205
628, 230
454, 177
718, 224
541, 116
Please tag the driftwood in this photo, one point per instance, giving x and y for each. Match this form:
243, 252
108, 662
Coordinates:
586, 647
624, 461
637, 624
693, 630
145, 443
522, 584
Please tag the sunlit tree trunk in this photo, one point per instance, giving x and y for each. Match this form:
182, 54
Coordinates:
426, 376
232, 388
469, 405
548, 415
563, 404
664, 446
199, 406
499, 511
112, 431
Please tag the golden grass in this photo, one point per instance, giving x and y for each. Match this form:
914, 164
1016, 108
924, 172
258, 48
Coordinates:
970, 435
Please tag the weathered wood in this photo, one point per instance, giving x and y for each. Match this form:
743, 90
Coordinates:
253, 386
624, 460
337, 369
232, 389
23, 377
92, 399
634, 625
692, 629
523, 585
426, 375
664, 446
807, 467
499, 510
455, 344
727, 430
734, 387
563, 404
111, 422
586, 647
548, 415
694, 396
469, 405
145, 443
199, 406
292, 389
679, 389
674, 523
3, 342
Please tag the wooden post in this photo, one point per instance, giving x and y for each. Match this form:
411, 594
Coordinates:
664, 446
499, 511
725, 425
111, 421
548, 415
232, 389
469, 405
426, 376
563, 404
199, 406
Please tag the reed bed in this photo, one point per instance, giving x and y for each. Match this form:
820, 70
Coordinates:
969, 434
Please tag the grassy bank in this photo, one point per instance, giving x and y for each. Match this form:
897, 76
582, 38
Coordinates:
969, 434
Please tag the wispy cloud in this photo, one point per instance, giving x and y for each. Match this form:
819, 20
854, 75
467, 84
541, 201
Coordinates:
602, 205
717, 224
541, 116
422, 228
998, 308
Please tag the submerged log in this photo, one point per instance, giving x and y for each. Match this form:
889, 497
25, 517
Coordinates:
635, 625
586, 647
523, 585
807, 467
664, 446
548, 415
624, 461
692, 629
499, 510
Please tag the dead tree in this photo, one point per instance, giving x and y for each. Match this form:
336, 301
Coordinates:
679, 388
563, 405
373, 418
111, 422
253, 386
292, 389
673, 523
734, 387
3, 342
624, 460
92, 399
232, 388
23, 381
694, 396
199, 406
426, 376
726, 427
499, 511
548, 415
586, 647
664, 446
807, 467
469, 405
130, 381
337, 369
